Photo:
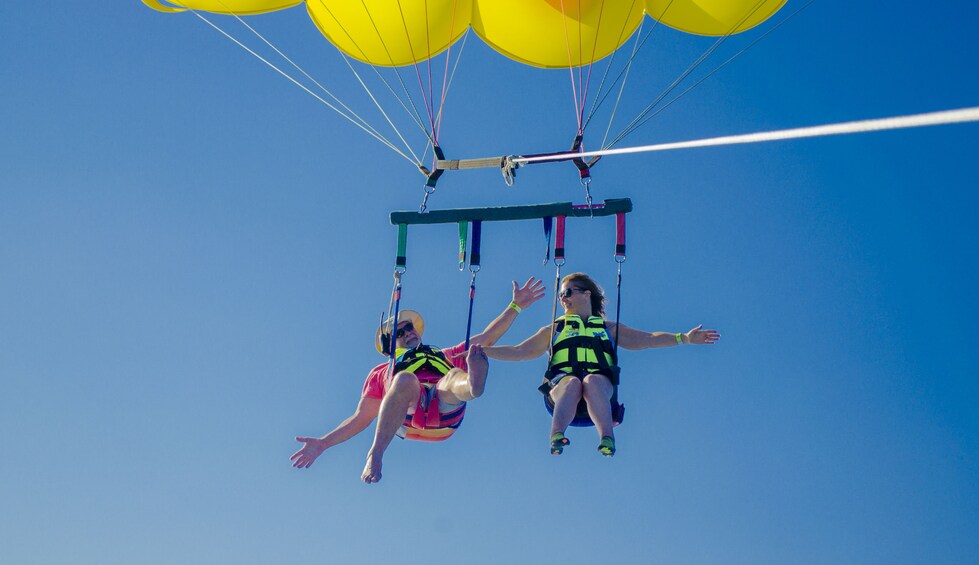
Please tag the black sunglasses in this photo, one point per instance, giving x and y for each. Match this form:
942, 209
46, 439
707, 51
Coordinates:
404, 329
571, 290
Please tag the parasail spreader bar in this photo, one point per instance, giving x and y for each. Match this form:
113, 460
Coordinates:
610, 207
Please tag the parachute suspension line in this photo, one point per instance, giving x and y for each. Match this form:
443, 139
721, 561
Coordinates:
474, 258
693, 66
400, 266
413, 113
718, 68
380, 108
559, 262
619, 259
571, 65
393, 328
946, 117
624, 75
608, 67
591, 63
414, 59
445, 92
625, 78
676, 82
579, 93
366, 128
300, 69
446, 80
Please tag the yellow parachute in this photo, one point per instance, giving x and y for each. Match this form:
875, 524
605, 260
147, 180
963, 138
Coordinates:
541, 33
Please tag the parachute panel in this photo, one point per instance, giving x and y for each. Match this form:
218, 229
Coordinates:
384, 33
712, 17
555, 33
227, 7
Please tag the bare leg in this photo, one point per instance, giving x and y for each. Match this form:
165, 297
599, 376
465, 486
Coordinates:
566, 396
598, 396
401, 394
459, 386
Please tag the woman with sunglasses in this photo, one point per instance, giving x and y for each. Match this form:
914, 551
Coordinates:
424, 397
579, 386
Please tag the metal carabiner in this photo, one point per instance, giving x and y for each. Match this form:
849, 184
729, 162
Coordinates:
586, 182
429, 190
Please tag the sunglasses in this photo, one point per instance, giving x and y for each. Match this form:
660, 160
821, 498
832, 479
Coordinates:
571, 290
409, 327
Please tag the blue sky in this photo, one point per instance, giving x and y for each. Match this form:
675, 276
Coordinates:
195, 253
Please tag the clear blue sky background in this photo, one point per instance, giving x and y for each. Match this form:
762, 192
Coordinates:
194, 254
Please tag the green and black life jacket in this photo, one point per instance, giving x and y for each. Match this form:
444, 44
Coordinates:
426, 362
581, 347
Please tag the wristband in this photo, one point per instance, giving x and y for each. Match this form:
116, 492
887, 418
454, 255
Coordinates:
679, 339
515, 307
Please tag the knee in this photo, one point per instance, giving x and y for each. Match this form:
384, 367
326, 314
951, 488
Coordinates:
597, 384
403, 383
569, 385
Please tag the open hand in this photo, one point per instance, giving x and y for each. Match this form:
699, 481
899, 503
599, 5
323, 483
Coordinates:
530, 292
313, 448
698, 336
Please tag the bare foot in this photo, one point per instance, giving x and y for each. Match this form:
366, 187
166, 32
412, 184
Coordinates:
372, 470
478, 364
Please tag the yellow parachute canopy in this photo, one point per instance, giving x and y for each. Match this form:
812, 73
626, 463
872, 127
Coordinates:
712, 17
541, 33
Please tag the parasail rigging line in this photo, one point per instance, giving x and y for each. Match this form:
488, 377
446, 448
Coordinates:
571, 63
945, 117
445, 93
352, 117
413, 112
447, 85
682, 76
623, 75
446, 79
646, 119
591, 63
421, 83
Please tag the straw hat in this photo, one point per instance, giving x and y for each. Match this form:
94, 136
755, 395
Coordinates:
403, 316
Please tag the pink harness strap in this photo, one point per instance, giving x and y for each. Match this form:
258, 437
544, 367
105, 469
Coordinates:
427, 418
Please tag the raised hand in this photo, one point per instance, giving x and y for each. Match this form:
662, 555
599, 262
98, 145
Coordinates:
530, 292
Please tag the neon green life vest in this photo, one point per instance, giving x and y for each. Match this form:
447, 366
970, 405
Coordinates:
426, 362
581, 347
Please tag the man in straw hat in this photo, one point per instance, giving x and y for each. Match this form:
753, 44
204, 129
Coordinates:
423, 397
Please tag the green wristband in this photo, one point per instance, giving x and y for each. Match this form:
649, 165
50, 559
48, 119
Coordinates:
679, 339
515, 307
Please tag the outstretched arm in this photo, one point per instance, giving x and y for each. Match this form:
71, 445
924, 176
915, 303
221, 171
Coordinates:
313, 447
524, 296
531, 348
630, 338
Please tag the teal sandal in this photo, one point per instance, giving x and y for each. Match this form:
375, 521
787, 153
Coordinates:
607, 446
558, 443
